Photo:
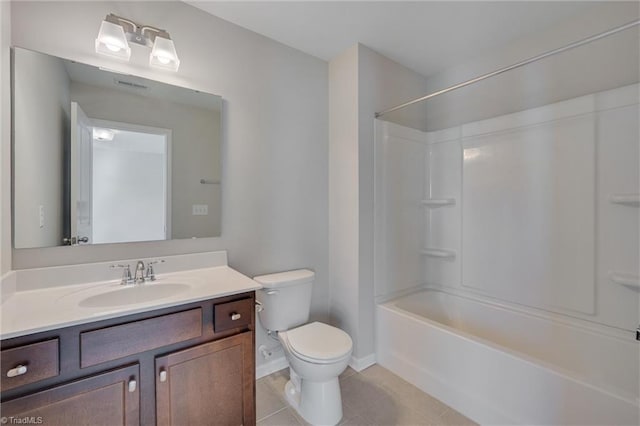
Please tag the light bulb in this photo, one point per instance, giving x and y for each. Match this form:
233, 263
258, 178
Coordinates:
164, 59
103, 134
163, 54
113, 47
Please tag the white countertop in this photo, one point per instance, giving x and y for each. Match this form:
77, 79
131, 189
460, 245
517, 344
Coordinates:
32, 311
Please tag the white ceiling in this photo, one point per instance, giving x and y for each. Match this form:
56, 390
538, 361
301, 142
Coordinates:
424, 36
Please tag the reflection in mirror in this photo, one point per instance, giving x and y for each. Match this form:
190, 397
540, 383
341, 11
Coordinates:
102, 157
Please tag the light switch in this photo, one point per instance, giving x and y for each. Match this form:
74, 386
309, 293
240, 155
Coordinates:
200, 209
41, 215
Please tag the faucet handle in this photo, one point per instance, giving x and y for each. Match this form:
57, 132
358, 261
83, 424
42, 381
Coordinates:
150, 275
126, 273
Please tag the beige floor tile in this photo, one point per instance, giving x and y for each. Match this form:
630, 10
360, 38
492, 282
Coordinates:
285, 417
362, 395
387, 413
277, 380
268, 401
392, 410
420, 401
348, 412
453, 418
379, 373
377, 406
348, 372
372, 397
418, 409
356, 421
302, 421
410, 395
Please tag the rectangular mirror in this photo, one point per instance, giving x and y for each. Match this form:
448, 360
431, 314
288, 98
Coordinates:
102, 157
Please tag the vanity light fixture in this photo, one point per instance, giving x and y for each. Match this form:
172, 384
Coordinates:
116, 33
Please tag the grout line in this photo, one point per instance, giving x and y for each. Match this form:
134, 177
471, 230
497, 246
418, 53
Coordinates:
441, 415
272, 414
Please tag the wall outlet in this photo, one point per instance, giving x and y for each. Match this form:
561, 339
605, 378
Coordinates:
200, 209
41, 215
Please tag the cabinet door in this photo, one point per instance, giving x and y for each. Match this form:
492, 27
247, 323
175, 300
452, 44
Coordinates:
112, 399
209, 384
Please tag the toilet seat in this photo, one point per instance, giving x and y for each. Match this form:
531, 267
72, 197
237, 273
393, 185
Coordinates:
318, 343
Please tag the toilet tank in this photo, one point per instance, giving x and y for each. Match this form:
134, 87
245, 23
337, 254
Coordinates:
285, 298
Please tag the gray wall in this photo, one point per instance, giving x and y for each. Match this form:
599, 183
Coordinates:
5, 139
382, 83
601, 65
41, 125
275, 160
343, 192
361, 82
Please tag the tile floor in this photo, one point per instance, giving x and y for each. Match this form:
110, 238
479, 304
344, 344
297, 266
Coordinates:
374, 396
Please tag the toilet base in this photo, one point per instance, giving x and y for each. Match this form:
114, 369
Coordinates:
318, 403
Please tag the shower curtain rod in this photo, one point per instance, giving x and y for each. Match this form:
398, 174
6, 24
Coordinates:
513, 66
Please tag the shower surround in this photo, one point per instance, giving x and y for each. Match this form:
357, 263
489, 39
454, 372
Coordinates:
507, 261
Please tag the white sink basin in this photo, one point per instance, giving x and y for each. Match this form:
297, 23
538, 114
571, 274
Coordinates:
134, 293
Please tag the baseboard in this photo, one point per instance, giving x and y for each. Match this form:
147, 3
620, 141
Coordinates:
272, 366
360, 364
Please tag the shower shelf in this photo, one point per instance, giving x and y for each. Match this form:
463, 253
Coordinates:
439, 253
632, 200
627, 280
438, 202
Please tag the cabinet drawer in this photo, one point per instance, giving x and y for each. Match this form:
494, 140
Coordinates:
29, 363
232, 315
119, 341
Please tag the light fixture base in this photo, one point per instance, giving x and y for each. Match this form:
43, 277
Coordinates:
139, 39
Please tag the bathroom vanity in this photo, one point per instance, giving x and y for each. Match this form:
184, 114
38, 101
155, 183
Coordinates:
188, 363
78, 347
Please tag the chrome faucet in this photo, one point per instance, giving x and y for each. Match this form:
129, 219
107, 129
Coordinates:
151, 275
126, 273
139, 277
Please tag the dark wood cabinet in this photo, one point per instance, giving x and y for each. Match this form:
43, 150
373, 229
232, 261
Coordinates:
188, 364
119, 341
111, 398
28, 364
227, 316
210, 384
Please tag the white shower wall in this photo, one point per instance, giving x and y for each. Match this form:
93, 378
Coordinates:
517, 208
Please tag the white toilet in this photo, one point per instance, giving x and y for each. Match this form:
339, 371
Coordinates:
317, 352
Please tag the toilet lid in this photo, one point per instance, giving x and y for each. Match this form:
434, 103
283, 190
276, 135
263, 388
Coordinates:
319, 341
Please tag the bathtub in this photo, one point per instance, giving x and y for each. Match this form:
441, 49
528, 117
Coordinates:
502, 365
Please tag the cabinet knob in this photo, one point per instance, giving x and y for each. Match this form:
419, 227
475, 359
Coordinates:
132, 385
235, 316
163, 375
18, 370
